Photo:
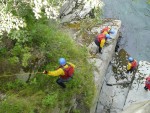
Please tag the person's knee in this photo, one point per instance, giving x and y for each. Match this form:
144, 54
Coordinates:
96, 42
127, 71
145, 88
58, 81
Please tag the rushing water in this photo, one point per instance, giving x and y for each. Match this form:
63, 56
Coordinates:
135, 17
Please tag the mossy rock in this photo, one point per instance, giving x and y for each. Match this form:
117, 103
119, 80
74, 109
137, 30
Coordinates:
121, 61
123, 56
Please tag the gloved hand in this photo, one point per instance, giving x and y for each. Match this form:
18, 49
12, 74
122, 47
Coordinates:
45, 72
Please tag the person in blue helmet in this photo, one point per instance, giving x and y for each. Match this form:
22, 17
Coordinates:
132, 65
65, 72
108, 30
100, 41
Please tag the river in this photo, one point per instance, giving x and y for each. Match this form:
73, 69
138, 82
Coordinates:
135, 17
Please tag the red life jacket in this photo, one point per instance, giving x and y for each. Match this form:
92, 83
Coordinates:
100, 37
107, 29
133, 64
69, 71
147, 82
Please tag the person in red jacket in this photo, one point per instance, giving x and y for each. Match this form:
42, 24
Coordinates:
65, 71
132, 65
108, 29
147, 84
100, 40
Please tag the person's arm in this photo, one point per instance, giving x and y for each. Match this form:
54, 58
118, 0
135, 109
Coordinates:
129, 66
57, 72
105, 32
102, 43
71, 64
136, 63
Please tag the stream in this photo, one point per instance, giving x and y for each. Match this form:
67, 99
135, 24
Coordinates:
135, 17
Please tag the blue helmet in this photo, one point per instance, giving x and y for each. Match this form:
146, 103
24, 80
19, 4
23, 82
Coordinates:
62, 61
108, 36
112, 31
130, 59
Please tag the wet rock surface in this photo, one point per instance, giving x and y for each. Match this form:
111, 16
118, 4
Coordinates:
118, 91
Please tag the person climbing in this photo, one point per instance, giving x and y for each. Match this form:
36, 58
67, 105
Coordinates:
107, 30
132, 65
100, 41
65, 71
147, 83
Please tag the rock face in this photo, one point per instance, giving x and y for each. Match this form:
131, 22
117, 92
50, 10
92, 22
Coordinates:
101, 61
116, 98
137, 95
78, 9
141, 107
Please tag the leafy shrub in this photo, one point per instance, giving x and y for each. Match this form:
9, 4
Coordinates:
50, 100
14, 104
12, 108
14, 60
21, 36
148, 1
17, 85
25, 59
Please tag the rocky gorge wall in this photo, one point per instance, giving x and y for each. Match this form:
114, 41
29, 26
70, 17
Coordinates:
107, 99
76, 10
124, 92
101, 61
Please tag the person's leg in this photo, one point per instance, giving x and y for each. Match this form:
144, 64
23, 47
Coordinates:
60, 82
98, 44
135, 70
131, 70
100, 50
145, 88
128, 71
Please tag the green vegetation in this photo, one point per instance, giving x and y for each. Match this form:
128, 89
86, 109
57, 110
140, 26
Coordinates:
36, 47
148, 1
85, 26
